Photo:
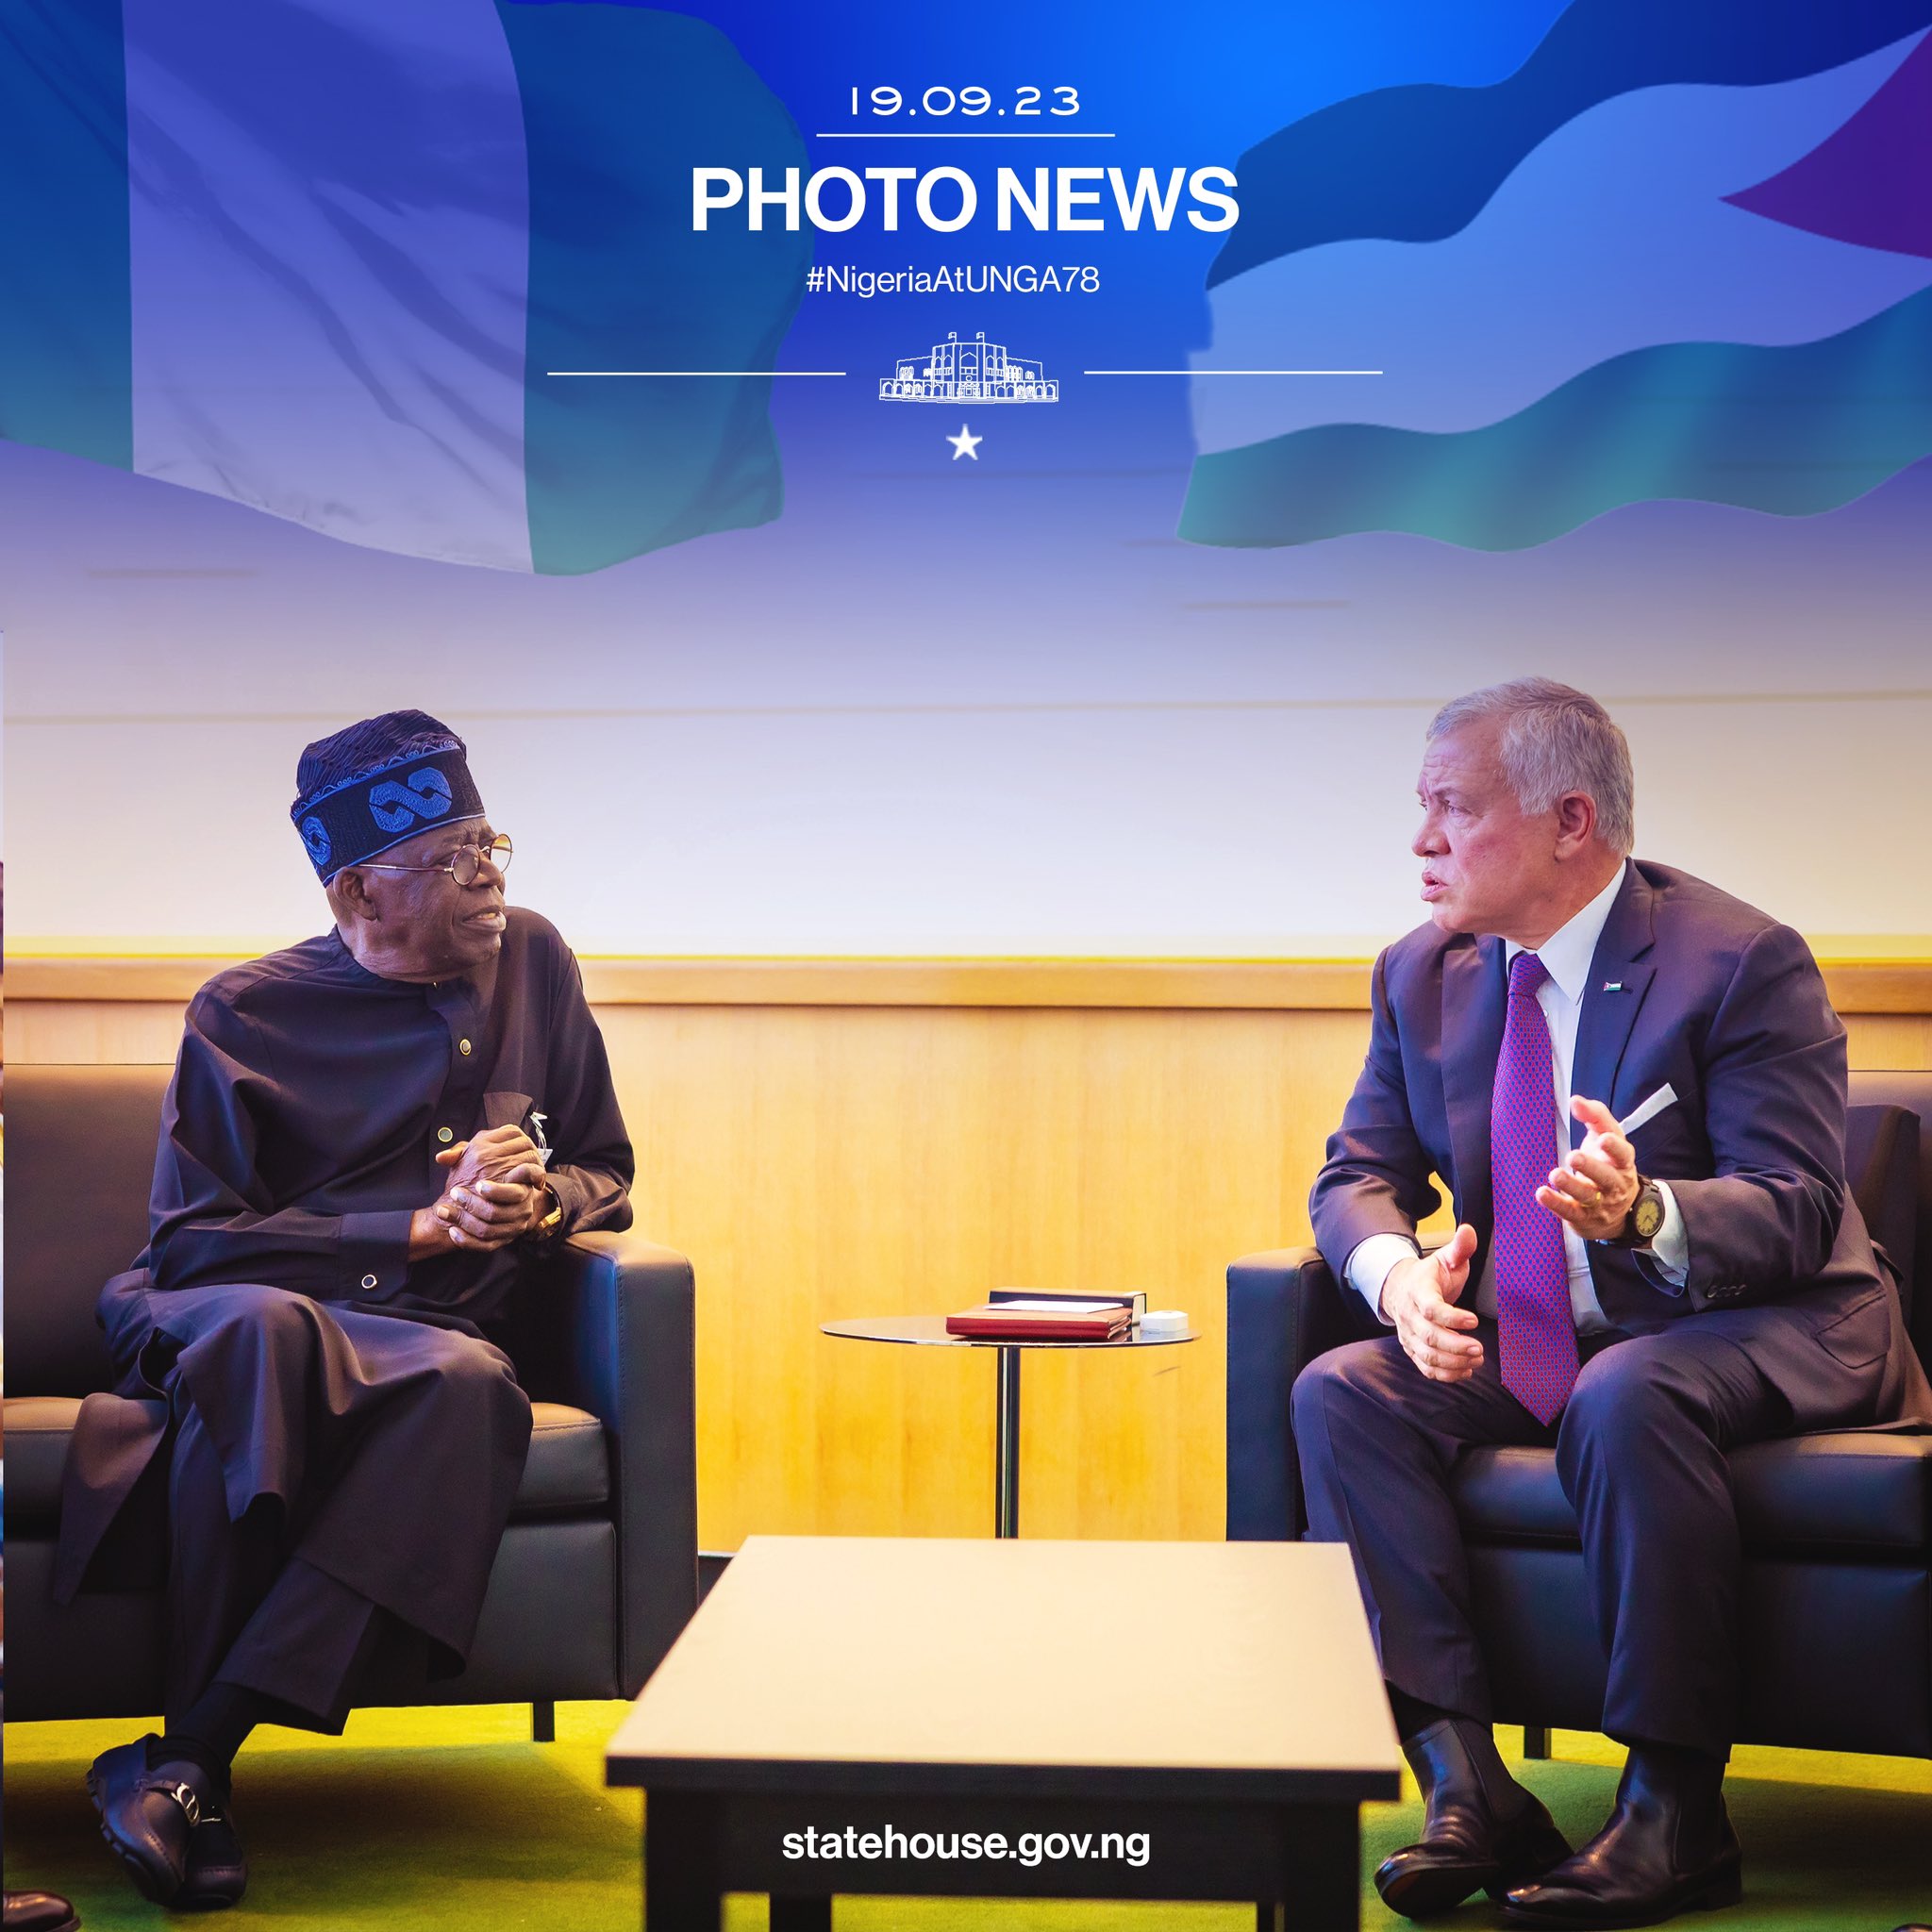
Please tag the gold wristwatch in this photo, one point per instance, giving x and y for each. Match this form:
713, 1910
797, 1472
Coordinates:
1647, 1217
551, 1222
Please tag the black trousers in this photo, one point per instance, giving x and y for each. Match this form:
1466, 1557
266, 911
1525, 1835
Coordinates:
1640, 1450
243, 1610
338, 1487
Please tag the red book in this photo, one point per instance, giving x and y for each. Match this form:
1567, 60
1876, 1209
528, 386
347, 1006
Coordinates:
1014, 1321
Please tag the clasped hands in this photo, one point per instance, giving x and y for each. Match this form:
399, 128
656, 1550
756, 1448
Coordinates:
1592, 1193
494, 1193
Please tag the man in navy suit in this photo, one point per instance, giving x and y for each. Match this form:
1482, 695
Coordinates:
1642, 1302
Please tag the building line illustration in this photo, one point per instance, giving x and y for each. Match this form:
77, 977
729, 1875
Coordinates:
967, 372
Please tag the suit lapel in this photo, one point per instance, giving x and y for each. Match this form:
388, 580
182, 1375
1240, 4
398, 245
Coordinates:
1474, 996
1620, 976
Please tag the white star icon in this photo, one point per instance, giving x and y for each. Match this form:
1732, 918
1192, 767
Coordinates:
965, 443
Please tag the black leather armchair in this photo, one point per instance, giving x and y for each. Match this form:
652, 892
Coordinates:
1838, 1528
597, 1572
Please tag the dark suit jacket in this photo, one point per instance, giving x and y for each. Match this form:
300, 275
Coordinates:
1691, 985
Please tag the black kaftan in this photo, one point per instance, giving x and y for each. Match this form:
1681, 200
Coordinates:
358, 1411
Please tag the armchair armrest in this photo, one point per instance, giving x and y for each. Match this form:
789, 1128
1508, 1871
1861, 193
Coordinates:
1284, 1309
616, 1336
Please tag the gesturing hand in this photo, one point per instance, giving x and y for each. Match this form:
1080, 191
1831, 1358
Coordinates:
1596, 1185
488, 1156
495, 1193
492, 1214
1419, 1297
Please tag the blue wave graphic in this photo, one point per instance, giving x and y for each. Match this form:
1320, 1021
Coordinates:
1792, 431
1418, 163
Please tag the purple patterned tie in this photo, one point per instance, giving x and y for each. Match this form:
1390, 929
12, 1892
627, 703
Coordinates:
1536, 1327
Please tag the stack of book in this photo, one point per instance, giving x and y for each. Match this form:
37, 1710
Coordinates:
1012, 1316
1134, 1300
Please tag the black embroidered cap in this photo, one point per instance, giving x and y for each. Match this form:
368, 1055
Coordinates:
375, 783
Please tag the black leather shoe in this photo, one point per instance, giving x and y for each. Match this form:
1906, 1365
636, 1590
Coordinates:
147, 1819
217, 1870
1481, 1830
1668, 1848
39, 1912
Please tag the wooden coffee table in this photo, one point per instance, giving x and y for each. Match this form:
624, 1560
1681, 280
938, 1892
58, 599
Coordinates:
1072, 1719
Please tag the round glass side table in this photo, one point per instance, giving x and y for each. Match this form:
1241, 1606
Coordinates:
930, 1331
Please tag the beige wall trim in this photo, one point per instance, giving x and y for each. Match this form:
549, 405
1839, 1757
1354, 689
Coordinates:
1858, 985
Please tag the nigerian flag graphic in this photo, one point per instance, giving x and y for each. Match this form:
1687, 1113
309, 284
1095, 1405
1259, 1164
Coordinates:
319, 256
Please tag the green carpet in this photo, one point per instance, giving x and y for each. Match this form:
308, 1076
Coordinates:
428, 1818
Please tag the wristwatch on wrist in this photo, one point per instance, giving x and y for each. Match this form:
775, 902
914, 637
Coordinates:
1645, 1218
551, 1222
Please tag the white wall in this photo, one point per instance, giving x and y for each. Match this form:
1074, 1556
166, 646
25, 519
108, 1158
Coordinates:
1203, 753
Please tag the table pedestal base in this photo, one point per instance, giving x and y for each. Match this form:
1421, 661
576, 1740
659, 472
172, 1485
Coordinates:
1005, 1446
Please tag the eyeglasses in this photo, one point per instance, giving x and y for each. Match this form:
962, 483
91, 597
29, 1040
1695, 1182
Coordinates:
465, 864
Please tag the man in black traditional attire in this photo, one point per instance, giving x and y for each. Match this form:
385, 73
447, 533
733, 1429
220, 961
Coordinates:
368, 1138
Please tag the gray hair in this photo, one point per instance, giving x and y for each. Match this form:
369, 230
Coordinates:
1554, 740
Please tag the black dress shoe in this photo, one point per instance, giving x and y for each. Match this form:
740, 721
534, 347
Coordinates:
1481, 1830
1668, 1848
39, 1912
217, 1870
148, 1818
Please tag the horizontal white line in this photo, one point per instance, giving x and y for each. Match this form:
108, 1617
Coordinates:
962, 134
695, 372
1427, 704
1233, 371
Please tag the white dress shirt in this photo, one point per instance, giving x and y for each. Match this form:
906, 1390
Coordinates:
1566, 956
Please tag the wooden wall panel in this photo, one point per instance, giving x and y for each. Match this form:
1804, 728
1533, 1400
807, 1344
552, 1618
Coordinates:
84, 1032
826, 1160
1890, 1040
829, 1162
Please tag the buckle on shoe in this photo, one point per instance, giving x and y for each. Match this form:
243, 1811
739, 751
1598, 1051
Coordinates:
183, 1795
